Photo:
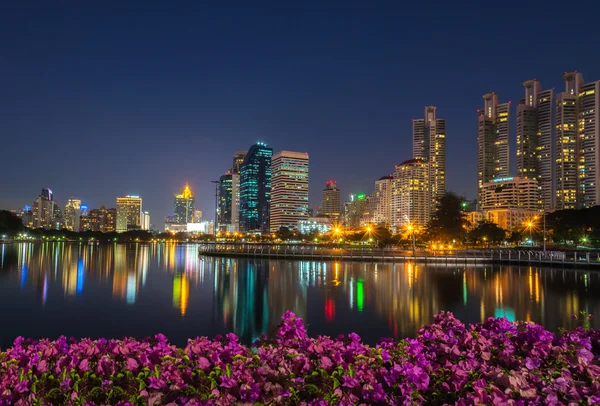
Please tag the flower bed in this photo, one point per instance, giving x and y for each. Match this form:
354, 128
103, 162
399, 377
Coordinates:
495, 362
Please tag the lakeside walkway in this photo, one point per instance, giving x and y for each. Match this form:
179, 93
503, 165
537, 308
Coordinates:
307, 252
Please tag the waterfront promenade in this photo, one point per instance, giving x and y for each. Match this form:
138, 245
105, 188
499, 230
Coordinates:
552, 258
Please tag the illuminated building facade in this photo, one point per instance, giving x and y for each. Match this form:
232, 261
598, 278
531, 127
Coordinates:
101, 219
43, 210
429, 144
331, 201
354, 210
73, 214
289, 190
225, 201
509, 201
255, 189
492, 141
129, 213
411, 196
382, 201
238, 160
184, 206
146, 221
535, 135
314, 225
589, 136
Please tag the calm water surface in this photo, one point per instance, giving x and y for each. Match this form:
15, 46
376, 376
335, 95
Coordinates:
53, 289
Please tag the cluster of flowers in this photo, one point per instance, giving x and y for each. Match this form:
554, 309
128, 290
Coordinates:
497, 362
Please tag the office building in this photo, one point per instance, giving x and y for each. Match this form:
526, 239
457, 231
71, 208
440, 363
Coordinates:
225, 201
492, 141
356, 211
535, 139
73, 214
429, 144
255, 189
129, 213
289, 190
184, 206
235, 204
411, 196
510, 201
589, 137
43, 210
238, 160
331, 201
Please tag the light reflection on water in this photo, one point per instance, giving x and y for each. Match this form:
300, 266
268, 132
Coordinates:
138, 290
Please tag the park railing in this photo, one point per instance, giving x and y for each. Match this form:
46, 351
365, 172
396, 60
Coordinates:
397, 254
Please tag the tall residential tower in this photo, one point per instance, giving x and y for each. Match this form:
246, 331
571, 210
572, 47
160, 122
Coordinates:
493, 136
429, 144
289, 190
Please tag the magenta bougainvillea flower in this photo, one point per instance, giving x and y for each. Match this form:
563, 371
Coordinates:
496, 362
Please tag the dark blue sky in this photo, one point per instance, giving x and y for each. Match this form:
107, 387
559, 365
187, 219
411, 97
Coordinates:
106, 99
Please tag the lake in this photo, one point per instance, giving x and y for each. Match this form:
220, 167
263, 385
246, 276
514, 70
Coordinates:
80, 290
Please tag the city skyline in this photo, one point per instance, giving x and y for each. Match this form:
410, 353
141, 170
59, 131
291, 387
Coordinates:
283, 96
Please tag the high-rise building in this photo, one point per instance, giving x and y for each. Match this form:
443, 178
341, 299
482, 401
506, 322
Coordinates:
145, 221
129, 213
225, 201
567, 143
510, 201
101, 219
255, 189
411, 196
43, 210
382, 201
73, 214
184, 206
235, 204
355, 211
289, 190
429, 144
492, 140
197, 216
589, 151
535, 139
331, 201
238, 160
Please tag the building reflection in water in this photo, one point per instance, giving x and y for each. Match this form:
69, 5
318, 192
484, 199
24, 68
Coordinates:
250, 296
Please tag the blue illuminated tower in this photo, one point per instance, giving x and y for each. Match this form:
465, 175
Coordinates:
255, 189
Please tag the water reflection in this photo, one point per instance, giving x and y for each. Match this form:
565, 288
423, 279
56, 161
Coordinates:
143, 289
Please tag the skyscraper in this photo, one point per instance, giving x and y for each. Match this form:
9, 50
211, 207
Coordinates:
589, 136
238, 160
289, 190
355, 211
255, 189
331, 201
411, 196
43, 210
73, 214
225, 201
492, 141
567, 142
184, 206
535, 139
129, 213
429, 144
145, 221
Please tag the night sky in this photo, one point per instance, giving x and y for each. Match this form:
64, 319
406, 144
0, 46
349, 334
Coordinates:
102, 99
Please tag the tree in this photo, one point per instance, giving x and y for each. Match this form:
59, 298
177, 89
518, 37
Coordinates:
448, 222
10, 224
487, 231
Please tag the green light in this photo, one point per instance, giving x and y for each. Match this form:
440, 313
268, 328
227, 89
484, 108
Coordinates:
360, 295
502, 179
360, 196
